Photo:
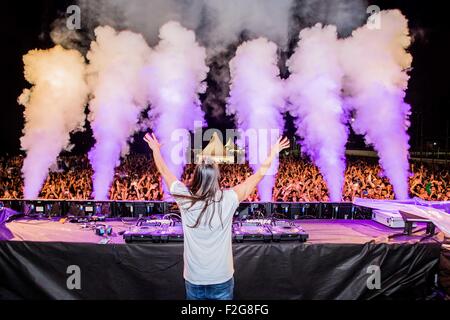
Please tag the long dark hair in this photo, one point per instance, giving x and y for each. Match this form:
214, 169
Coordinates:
204, 187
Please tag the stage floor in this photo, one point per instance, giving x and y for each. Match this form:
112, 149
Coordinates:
334, 263
320, 231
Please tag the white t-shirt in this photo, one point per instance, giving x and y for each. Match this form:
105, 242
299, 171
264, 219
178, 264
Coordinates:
208, 255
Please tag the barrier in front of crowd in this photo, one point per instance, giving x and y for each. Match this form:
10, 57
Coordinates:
291, 210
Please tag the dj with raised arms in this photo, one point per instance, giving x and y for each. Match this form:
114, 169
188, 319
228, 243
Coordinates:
207, 214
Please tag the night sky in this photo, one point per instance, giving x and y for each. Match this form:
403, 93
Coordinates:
25, 25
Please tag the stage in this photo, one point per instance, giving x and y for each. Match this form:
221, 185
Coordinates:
335, 263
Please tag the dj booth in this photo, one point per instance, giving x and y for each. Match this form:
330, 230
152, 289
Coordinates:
343, 258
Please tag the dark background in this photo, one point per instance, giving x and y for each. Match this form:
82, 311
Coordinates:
26, 25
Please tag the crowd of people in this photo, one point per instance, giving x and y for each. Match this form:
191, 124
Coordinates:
298, 180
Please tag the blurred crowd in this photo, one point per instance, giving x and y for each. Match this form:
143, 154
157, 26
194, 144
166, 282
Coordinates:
298, 180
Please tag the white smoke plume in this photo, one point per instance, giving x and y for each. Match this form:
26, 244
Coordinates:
174, 77
314, 91
54, 107
376, 61
217, 23
256, 97
220, 26
346, 15
115, 76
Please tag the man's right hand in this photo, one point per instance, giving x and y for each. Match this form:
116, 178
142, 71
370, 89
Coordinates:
152, 141
280, 145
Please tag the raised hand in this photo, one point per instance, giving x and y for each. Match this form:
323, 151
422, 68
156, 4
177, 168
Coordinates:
280, 145
166, 174
152, 141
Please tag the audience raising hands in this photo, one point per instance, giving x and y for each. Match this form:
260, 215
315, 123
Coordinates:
298, 180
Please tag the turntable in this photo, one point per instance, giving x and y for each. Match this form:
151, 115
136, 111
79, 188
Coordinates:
287, 231
162, 229
251, 232
142, 233
172, 233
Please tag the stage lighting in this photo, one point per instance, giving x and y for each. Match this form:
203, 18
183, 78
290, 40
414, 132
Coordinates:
252, 209
89, 208
139, 208
41, 208
80, 208
281, 208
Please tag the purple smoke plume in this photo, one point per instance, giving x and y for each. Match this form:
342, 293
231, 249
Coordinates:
256, 97
115, 69
375, 61
314, 92
175, 77
54, 107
